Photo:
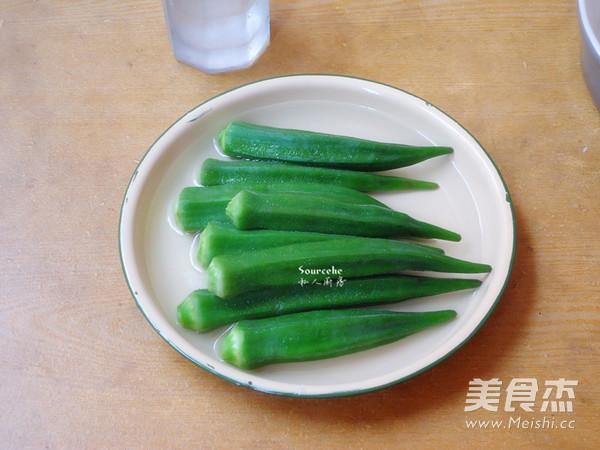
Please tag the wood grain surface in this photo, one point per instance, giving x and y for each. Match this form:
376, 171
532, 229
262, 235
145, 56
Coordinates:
87, 86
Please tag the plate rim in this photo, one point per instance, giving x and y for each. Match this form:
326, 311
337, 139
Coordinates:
341, 393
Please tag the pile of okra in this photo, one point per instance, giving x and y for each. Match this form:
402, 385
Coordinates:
296, 250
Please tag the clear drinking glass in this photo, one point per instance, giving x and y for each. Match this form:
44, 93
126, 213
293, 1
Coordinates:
218, 35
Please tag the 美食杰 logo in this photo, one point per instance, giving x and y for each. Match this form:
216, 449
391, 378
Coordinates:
523, 395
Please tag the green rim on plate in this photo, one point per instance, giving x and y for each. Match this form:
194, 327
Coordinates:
137, 200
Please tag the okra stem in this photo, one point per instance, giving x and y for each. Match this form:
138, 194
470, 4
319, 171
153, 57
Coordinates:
216, 171
251, 141
254, 343
230, 275
300, 212
203, 311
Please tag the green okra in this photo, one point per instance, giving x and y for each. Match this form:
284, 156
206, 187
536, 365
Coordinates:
230, 275
299, 212
321, 334
215, 171
203, 311
252, 141
196, 206
220, 238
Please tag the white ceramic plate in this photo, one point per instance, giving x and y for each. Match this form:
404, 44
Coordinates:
472, 200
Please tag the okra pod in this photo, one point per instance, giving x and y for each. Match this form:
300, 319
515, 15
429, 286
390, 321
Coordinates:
220, 238
203, 311
230, 275
196, 206
251, 141
300, 212
215, 171
320, 334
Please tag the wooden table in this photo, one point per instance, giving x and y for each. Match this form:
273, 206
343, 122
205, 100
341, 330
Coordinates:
87, 86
